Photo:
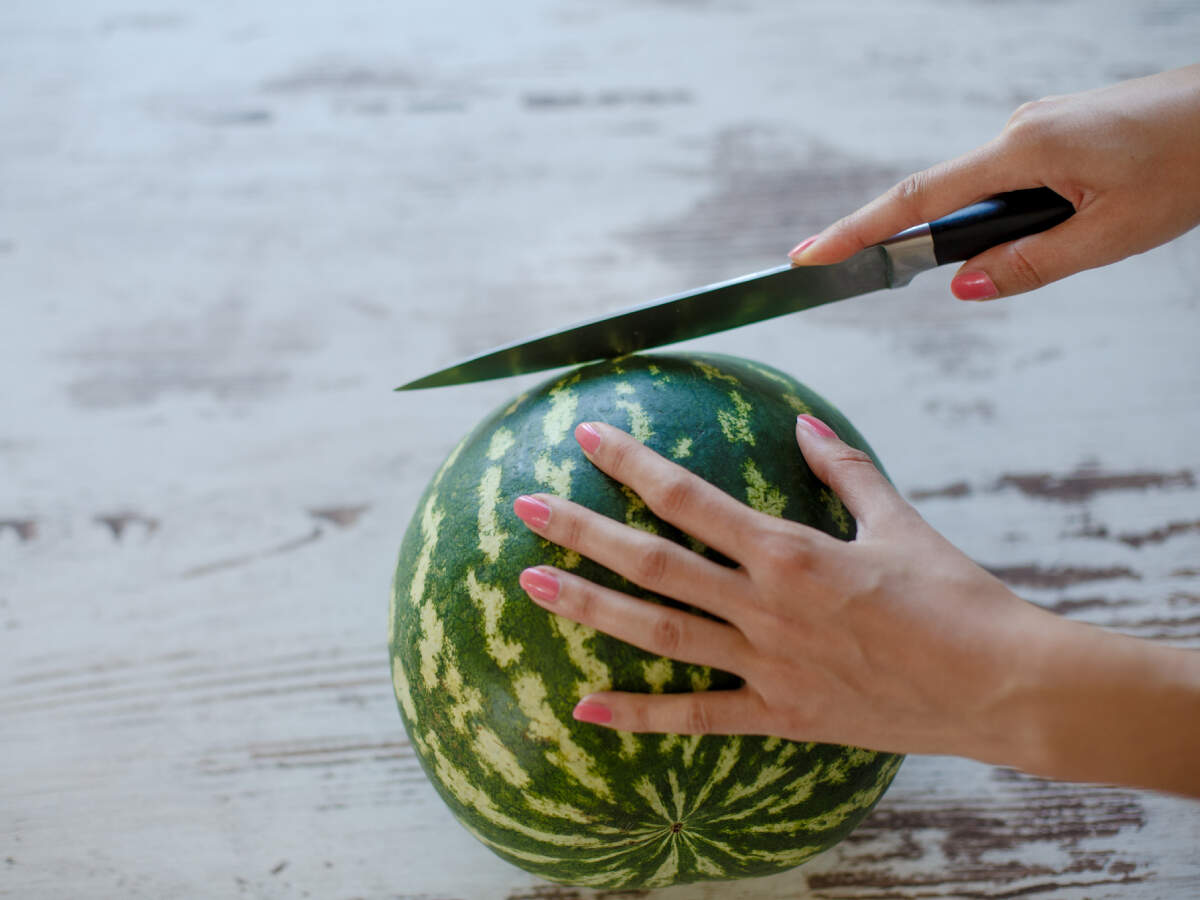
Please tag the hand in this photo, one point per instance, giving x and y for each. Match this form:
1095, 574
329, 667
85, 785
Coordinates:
894, 641
1126, 156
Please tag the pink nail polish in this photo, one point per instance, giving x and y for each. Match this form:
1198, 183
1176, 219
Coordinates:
588, 711
531, 511
541, 585
815, 425
973, 286
588, 437
802, 246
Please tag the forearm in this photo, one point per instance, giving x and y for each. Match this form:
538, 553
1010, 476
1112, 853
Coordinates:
1099, 706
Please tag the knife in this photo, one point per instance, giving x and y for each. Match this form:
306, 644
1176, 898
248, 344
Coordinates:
773, 292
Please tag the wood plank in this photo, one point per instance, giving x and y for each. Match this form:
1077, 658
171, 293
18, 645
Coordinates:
226, 232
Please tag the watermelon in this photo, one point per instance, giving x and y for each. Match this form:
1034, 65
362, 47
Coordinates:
486, 680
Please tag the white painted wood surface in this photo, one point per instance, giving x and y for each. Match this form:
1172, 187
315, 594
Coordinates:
227, 230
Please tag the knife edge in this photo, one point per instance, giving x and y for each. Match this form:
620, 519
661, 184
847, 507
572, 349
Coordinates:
690, 314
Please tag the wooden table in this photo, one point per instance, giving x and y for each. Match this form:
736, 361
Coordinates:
227, 230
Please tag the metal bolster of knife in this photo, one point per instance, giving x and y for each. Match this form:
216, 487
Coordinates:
909, 253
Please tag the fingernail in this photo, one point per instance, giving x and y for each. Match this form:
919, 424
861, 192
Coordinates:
802, 246
531, 511
589, 711
541, 585
588, 437
815, 425
973, 286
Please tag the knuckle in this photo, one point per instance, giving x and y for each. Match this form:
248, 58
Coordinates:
571, 530
639, 716
667, 635
910, 193
846, 464
671, 496
1031, 123
618, 456
852, 456
697, 717
651, 567
780, 552
851, 229
1025, 273
1032, 111
804, 717
584, 601
1025, 111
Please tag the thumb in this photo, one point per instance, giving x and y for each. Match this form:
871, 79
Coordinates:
851, 474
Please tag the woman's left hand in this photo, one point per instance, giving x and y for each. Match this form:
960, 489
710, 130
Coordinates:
895, 640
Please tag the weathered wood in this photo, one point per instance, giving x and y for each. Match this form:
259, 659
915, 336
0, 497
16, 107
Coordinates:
226, 231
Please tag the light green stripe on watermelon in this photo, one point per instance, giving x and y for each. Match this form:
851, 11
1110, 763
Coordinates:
761, 495
544, 726
458, 781
691, 744
645, 787
768, 775
688, 743
714, 372
726, 759
491, 535
639, 422
596, 674
837, 512
502, 441
430, 643
492, 753
485, 680
666, 873
491, 601
826, 820
431, 520
402, 691
657, 673
703, 866
735, 423
769, 373
561, 416
555, 476
466, 700
637, 515
676, 794
798, 406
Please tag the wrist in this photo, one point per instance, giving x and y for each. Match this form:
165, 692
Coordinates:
1094, 705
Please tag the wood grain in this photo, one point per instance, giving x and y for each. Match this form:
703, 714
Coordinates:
228, 230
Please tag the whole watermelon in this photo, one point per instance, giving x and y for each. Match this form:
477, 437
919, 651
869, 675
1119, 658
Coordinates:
486, 679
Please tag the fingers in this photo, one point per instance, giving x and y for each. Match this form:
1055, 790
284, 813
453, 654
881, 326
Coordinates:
1032, 262
709, 712
921, 197
653, 562
672, 492
653, 627
851, 474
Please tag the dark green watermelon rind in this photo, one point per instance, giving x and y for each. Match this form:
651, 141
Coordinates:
571, 802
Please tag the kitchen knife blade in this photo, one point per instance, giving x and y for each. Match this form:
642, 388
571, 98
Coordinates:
773, 292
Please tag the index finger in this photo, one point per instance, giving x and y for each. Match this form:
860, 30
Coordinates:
673, 493
921, 197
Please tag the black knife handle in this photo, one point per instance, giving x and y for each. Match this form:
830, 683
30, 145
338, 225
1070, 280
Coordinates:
996, 220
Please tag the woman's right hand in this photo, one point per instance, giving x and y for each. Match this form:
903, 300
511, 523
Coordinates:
1127, 157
